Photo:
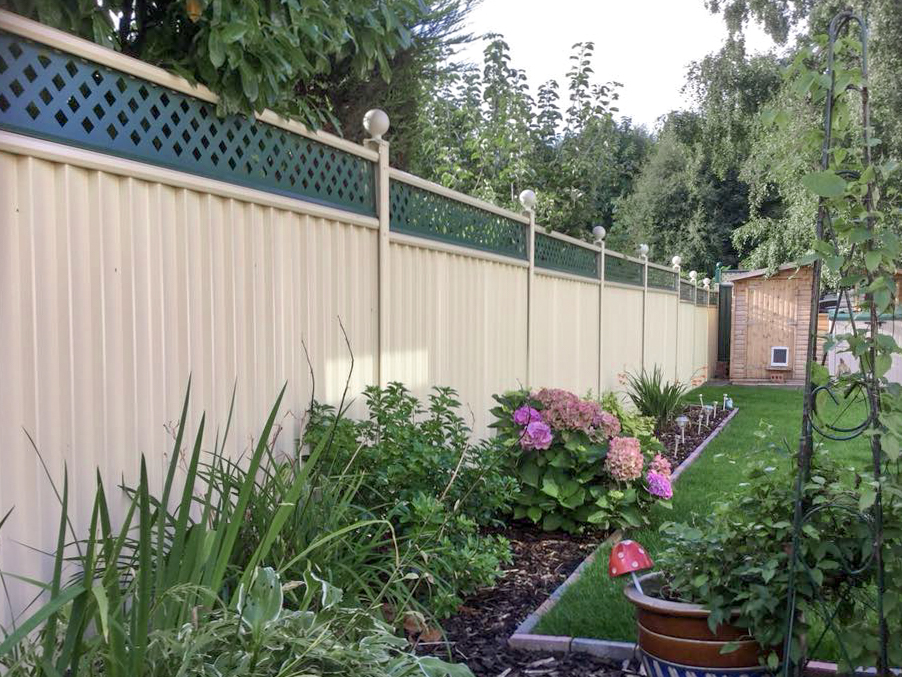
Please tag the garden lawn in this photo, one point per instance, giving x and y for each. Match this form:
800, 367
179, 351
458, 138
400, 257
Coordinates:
595, 606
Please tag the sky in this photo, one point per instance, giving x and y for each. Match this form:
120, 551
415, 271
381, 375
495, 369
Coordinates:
643, 44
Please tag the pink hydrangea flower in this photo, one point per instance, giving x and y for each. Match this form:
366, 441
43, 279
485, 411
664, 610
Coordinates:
624, 461
536, 436
526, 414
609, 424
661, 466
659, 485
563, 410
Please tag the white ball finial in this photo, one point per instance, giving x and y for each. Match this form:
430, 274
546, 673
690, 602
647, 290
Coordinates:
693, 275
707, 282
528, 199
376, 123
599, 233
643, 250
676, 261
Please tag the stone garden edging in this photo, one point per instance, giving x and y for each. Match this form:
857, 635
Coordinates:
523, 637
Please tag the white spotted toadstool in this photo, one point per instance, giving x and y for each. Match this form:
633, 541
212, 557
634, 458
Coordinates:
628, 557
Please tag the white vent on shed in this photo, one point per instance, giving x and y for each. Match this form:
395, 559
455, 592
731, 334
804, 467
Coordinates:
779, 356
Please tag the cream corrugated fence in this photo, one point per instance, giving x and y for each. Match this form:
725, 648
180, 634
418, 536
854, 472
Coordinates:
122, 274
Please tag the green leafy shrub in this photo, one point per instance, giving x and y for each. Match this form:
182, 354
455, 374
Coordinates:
574, 466
159, 590
655, 397
632, 423
418, 471
745, 580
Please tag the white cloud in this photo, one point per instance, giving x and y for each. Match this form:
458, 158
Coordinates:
644, 44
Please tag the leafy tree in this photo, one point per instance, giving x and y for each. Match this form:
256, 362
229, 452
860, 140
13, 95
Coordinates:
253, 54
690, 195
781, 213
483, 133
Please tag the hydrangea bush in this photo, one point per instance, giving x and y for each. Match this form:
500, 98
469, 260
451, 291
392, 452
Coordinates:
577, 463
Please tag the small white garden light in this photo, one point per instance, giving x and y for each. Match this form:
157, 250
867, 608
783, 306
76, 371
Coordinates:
376, 123
676, 261
643, 251
528, 199
599, 233
682, 421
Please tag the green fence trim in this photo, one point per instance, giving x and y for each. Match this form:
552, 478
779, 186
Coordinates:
713, 298
623, 271
57, 96
686, 291
565, 257
421, 212
662, 279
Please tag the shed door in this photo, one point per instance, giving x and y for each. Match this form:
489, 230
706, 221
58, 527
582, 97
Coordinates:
772, 321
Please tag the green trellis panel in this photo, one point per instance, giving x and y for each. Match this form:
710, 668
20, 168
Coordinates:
713, 298
60, 97
686, 291
565, 257
420, 212
662, 279
623, 271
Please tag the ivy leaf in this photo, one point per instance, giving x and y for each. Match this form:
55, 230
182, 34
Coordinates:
825, 184
867, 498
217, 49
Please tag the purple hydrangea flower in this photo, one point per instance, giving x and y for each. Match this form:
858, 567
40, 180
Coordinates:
536, 436
526, 414
659, 485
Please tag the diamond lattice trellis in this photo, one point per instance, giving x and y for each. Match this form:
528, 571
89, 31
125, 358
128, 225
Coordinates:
623, 271
420, 212
686, 291
60, 97
714, 298
662, 279
565, 257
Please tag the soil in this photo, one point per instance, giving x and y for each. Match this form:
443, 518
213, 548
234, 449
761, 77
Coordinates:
477, 635
675, 449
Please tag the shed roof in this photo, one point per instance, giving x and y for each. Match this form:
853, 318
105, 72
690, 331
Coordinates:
760, 272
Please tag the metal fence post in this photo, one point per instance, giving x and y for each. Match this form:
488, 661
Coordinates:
530, 300
676, 337
644, 303
376, 124
601, 261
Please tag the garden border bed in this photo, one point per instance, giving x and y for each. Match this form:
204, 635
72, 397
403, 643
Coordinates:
523, 638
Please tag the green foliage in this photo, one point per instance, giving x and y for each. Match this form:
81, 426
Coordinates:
654, 397
170, 588
632, 423
690, 195
253, 55
566, 486
484, 134
745, 581
417, 471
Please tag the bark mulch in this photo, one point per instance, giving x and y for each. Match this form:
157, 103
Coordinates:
675, 449
477, 635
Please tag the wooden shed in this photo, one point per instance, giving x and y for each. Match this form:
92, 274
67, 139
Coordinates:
769, 332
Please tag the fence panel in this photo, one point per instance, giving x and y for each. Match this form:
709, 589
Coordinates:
457, 321
622, 334
115, 290
660, 332
566, 349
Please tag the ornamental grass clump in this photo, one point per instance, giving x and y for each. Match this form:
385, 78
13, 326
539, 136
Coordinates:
574, 468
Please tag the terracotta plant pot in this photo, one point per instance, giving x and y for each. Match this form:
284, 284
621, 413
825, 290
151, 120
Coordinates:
675, 640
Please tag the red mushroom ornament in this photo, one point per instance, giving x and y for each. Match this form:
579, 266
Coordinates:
628, 557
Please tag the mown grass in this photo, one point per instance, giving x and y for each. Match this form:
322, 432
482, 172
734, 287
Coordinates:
595, 605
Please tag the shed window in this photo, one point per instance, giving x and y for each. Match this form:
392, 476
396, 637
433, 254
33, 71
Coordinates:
779, 356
